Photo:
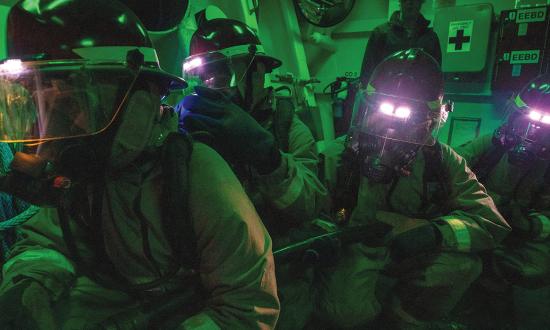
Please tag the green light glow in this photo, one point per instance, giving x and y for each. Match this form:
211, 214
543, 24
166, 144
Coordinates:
57, 20
238, 29
57, 3
210, 35
31, 6
122, 19
140, 28
87, 42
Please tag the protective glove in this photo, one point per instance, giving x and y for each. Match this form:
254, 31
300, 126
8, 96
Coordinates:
310, 244
26, 305
236, 135
525, 268
525, 224
409, 236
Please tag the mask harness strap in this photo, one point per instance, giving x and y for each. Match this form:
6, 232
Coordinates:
390, 192
84, 216
176, 156
434, 173
248, 97
487, 162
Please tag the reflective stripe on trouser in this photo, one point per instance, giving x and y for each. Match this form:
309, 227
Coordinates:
427, 287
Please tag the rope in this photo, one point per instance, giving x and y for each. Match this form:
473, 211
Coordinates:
19, 219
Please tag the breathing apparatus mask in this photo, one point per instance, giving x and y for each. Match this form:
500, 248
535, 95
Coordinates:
389, 130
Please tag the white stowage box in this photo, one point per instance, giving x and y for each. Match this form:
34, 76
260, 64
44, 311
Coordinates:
464, 33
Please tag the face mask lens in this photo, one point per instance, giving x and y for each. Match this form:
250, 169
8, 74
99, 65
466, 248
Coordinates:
396, 120
192, 64
219, 69
207, 70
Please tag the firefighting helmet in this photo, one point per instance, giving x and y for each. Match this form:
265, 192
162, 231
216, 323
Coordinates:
68, 67
216, 45
404, 99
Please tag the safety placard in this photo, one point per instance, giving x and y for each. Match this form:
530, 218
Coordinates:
529, 15
523, 56
460, 36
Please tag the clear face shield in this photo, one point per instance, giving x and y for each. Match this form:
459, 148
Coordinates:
399, 119
57, 101
222, 69
387, 132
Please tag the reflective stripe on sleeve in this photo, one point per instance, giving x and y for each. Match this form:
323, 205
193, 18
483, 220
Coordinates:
45, 255
291, 194
462, 235
544, 224
200, 322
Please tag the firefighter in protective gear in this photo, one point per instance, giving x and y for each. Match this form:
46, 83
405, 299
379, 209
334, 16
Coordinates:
514, 165
123, 230
438, 214
270, 149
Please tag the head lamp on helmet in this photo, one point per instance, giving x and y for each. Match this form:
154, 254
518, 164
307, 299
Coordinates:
219, 70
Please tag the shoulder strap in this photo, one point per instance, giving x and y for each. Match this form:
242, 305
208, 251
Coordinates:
485, 164
435, 171
176, 155
282, 120
75, 206
347, 185
539, 196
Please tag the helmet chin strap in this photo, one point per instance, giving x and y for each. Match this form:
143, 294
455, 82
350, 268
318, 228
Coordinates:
248, 91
